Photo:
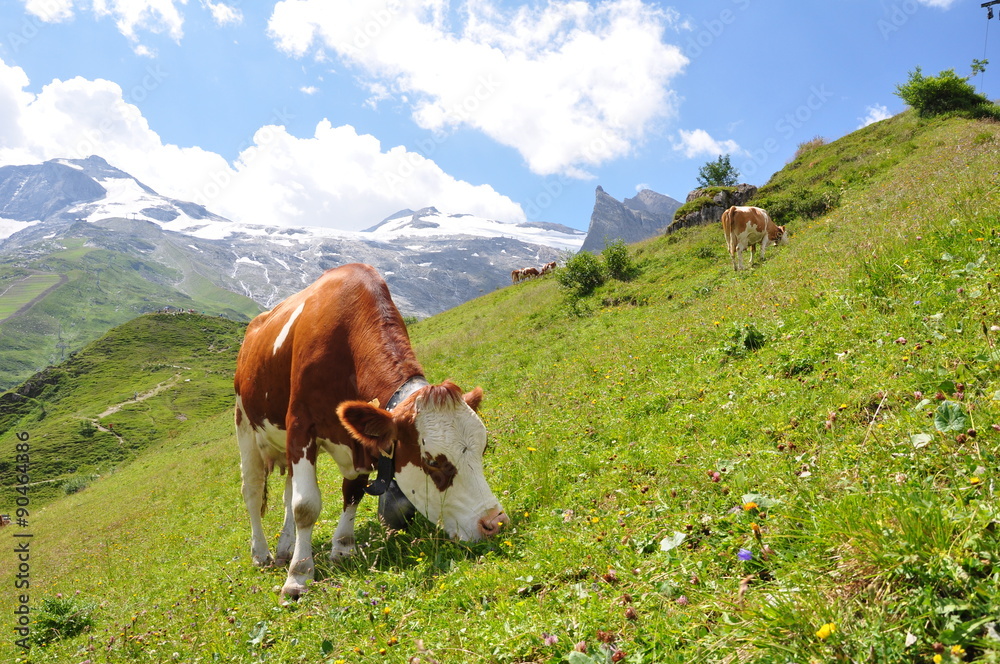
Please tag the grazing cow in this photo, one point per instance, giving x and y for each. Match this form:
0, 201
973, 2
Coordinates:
745, 227
313, 374
548, 267
529, 272
515, 276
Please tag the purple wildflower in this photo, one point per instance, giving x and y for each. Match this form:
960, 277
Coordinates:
745, 555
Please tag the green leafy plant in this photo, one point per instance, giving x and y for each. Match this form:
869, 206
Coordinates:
617, 261
61, 618
718, 173
582, 274
944, 93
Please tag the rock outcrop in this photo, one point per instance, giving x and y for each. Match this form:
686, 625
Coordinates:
713, 202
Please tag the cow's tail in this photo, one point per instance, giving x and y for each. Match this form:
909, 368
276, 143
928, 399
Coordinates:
263, 499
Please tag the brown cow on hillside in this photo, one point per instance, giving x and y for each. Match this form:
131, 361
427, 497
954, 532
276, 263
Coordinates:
746, 227
312, 375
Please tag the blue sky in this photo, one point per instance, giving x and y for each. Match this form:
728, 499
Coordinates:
329, 113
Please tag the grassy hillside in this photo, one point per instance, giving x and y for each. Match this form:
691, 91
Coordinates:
145, 382
99, 289
794, 463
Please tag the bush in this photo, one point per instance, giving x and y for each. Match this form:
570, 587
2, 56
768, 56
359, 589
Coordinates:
617, 261
61, 618
582, 274
944, 93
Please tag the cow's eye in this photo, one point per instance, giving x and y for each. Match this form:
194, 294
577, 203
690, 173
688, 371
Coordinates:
432, 463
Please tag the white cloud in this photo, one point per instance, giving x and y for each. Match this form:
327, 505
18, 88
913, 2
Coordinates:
699, 143
876, 113
570, 85
309, 89
50, 11
335, 178
224, 14
943, 4
152, 15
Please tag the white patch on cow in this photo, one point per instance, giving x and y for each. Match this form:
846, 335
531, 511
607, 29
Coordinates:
454, 430
271, 441
288, 327
306, 506
342, 454
343, 537
253, 471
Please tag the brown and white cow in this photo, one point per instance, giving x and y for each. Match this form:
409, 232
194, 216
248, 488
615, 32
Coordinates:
312, 375
745, 227
548, 267
515, 276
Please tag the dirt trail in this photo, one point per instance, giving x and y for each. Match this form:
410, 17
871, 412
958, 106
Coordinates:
142, 397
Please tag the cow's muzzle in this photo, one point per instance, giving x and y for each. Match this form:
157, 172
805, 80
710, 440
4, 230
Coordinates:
493, 522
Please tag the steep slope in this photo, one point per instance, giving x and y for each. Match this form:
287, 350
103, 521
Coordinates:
701, 465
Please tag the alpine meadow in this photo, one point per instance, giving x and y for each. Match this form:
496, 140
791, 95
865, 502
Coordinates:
793, 463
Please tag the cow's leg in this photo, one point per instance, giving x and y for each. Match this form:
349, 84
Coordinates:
343, 537
253, 473
287, 539
306, 505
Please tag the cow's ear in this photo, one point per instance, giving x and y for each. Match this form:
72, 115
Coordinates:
368, 424
474, 398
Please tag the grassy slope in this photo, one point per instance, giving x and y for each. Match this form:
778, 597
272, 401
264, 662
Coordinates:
605, 431
104, 289
190, 358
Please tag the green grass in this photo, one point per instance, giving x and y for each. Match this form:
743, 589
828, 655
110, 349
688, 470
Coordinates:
831, 411
102, 289
23, 291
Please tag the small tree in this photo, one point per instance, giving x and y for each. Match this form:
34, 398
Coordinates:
718, 173
946, 92
582, 274
617, 261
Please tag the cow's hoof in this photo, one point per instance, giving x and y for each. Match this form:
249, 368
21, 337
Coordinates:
342, 550
263, 561
292, 590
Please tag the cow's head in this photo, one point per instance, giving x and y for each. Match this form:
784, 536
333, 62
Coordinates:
780, 235
438, 442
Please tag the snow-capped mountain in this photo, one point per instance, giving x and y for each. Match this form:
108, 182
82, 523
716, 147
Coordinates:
432, 261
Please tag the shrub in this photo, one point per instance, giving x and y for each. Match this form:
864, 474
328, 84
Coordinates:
61, 618
582, 274
808, 146
744, 339
617, 261
944, 93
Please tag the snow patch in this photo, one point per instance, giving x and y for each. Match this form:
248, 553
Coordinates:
10, 226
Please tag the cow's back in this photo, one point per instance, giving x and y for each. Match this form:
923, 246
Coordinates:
341, 338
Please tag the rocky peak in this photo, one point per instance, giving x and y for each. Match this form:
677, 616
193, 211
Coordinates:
632, 220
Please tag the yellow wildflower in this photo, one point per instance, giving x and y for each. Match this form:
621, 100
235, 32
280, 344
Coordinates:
749, 506
825, 631
958, 651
